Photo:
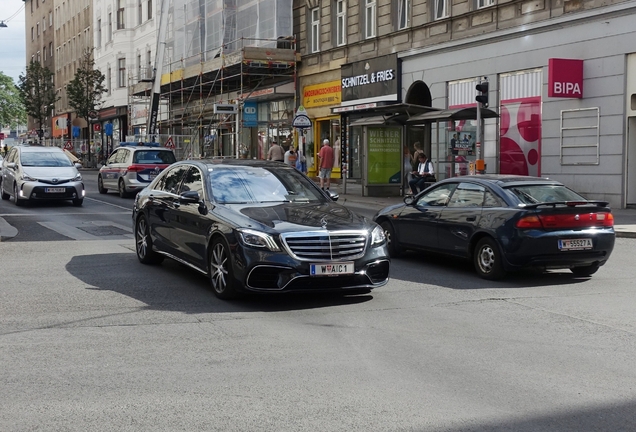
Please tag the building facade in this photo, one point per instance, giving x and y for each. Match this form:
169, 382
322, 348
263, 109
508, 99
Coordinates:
551, 122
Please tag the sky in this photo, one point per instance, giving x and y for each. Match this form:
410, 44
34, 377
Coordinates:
12, 39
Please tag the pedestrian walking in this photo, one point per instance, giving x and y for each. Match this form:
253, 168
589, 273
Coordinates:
326, 161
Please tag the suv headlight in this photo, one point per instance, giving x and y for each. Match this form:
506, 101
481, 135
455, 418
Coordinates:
257, 239
377, 236
78, 177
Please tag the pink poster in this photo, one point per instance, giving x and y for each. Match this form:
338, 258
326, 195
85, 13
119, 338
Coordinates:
520, 137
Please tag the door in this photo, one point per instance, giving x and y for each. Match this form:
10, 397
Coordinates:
8, 174
190, 222
110, 175
460, 218
417, 224
161, 210
631, 161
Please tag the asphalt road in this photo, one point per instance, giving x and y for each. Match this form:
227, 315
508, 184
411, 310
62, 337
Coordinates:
92, 340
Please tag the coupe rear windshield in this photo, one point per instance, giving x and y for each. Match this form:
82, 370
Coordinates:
154, 157
533, 194
45, 159
238, 185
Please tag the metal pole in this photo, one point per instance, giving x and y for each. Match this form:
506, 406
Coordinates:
479, 133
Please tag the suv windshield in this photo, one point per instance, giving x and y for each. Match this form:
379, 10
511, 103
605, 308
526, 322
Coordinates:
533, 194
154, 157
233, 185
45, 159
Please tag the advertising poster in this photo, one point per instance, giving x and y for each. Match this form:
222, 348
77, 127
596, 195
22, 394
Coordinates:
385, 155
520, 132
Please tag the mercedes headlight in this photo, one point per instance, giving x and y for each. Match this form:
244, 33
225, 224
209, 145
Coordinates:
257, 239
377, 236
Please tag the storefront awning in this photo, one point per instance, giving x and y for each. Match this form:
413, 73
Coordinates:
451, 115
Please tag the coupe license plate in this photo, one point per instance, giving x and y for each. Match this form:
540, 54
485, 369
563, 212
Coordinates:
575, 244
55, 190
327, 269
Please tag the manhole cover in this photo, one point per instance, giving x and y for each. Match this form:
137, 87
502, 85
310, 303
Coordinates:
101, 231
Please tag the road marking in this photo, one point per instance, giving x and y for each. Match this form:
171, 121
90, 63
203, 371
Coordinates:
110, 204
68, 231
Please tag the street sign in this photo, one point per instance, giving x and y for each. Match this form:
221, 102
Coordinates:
68, 146
301, 119
225, 108
170, 143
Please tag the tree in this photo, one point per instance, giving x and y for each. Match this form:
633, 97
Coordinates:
86, 89
12, 112
37, 92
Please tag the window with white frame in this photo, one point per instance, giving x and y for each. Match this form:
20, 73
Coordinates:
120, 15
484, 3
121, 72
109, 82
149, 9
314, 28
139, 12
341, 22
440, 9
369, 18
110, 27
404, 9
98, 36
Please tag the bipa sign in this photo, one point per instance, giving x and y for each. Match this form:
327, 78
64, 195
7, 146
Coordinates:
565, 78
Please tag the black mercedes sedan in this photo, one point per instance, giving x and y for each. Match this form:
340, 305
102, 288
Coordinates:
503, 223
257, 226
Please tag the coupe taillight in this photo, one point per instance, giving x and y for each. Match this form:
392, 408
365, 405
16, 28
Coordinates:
556, 221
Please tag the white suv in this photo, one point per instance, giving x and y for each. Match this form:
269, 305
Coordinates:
132, 166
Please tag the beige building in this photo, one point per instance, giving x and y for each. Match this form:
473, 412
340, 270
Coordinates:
435, 53
40, 43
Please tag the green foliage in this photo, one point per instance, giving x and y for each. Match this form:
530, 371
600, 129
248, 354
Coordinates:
37, 91
12, 112
86, 89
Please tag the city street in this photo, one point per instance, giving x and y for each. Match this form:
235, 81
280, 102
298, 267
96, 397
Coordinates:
90, 339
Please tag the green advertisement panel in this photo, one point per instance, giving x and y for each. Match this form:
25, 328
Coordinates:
385, 155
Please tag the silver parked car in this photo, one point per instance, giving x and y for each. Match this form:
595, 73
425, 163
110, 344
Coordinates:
40, 173
132, 166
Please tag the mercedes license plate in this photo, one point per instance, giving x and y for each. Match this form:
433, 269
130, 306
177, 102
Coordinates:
55, 190
326, 269
575, 244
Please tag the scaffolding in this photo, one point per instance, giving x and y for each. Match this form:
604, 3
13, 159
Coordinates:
222, 52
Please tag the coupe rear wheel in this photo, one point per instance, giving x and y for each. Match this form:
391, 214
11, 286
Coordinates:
487, 259
585, 270
220, 270
391, 239
143, 243
122, 189
16, 200
100, 185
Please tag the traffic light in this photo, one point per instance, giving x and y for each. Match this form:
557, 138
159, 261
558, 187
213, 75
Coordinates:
482, 97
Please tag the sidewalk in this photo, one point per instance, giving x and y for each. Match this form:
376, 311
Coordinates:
624, 219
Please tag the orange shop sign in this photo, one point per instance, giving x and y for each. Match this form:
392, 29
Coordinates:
60, 126
322, 94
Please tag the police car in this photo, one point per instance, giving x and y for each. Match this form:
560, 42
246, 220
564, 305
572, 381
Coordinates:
132, 166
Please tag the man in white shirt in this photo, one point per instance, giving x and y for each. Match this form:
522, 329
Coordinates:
425, 173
